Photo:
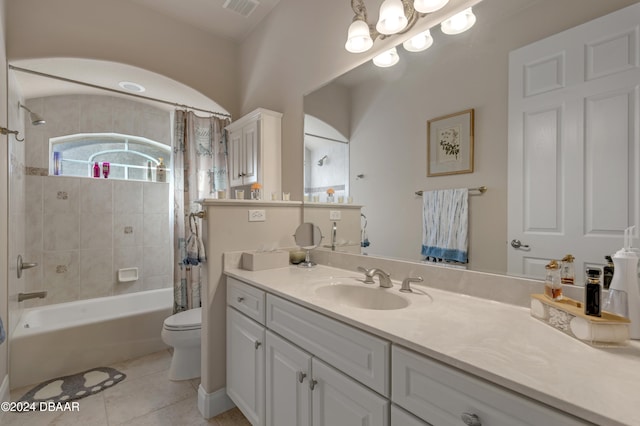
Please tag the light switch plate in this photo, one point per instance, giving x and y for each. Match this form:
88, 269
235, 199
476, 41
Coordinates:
335, 214
257, 216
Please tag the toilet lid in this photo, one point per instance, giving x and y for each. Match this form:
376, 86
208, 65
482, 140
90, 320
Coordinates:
190, 320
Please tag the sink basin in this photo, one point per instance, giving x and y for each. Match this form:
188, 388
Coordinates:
362, 297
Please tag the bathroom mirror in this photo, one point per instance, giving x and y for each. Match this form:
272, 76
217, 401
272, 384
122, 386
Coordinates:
383, 114
308, 236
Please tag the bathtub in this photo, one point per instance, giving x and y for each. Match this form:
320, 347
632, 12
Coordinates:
66, 338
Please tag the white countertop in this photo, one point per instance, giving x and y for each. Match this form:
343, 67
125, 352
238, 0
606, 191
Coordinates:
499, 342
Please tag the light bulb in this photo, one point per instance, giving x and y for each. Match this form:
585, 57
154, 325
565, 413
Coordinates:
428, 6
358, 38
392, 18
387, 59
419, 42
459, 23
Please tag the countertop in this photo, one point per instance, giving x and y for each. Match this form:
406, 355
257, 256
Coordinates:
496, 341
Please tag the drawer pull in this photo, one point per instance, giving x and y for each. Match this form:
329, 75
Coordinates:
470, 419
240, 299
301, 376
312, 384
258, 343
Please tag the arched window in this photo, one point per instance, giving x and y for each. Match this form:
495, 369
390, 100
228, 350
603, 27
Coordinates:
129, 156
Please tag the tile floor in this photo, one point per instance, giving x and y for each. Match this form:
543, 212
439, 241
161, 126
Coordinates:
145, 398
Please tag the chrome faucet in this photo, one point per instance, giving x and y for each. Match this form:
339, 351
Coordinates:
368, 279
33, 295
406, 284
385, 279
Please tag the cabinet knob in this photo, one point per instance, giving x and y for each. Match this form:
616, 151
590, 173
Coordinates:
240, 299
258, 343
301, 376
471, 419
312, 384
239, 174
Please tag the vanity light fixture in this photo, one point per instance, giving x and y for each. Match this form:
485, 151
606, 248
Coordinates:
396, 17
459, 23
419, 42
387, 59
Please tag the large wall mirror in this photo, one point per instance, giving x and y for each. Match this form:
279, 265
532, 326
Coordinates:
381, 115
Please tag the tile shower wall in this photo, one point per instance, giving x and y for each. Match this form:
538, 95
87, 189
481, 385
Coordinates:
82, 231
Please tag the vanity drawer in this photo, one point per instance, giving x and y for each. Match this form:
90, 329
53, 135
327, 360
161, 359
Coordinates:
247, 299
441, 395
356, 353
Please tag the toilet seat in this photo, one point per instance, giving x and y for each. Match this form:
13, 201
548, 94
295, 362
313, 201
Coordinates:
183, 321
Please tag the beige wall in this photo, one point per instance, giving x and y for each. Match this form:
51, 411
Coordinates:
478, 69
228, 229
122, 31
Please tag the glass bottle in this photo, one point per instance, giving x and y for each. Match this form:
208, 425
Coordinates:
552, 285
607, 273
96, 170
568, 271
592, 292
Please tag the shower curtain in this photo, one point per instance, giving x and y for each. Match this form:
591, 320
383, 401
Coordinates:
200, 169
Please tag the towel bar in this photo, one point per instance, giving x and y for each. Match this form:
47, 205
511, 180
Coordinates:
481, 189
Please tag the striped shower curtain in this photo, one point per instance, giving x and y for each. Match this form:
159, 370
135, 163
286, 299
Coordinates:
200, 169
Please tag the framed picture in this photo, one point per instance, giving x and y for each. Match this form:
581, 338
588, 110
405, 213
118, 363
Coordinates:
450, 144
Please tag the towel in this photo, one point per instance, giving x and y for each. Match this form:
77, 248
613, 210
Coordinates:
445, 220
3, 335
195, 246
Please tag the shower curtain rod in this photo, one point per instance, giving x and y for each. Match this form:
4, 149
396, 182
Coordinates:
95, 86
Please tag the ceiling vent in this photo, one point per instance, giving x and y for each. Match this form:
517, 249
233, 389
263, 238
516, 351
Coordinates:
242, 7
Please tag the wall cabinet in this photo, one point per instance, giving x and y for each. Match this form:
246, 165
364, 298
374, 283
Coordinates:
254, 146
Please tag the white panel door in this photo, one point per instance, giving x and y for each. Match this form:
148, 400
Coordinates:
340, 400
288, 394
250, 136
245, 365
574, 144
235, 158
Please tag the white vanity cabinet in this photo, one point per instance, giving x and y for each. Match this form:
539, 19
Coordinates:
441, 395
254, 146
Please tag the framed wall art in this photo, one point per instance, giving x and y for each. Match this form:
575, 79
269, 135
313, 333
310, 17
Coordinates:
450, 144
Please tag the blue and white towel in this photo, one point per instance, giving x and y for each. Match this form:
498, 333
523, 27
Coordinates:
445, 224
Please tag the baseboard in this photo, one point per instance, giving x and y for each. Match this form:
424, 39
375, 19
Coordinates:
212, 404
4, 394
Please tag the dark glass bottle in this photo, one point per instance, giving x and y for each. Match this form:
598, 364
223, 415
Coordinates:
592, 293
607, 273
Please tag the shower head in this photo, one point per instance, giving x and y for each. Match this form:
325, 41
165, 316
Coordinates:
321, 161
36, 119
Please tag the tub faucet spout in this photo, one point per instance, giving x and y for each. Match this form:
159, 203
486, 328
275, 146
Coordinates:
33, 295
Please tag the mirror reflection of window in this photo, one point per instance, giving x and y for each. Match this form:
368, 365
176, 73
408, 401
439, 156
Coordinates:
130, 157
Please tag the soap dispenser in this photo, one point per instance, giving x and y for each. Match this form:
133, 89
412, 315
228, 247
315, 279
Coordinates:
624, 292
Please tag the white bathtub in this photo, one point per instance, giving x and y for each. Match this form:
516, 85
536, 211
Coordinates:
66, 338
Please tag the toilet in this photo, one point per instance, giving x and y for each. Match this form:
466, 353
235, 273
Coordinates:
182, 331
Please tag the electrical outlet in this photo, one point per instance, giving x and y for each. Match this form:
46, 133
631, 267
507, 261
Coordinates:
335, 214
257, 216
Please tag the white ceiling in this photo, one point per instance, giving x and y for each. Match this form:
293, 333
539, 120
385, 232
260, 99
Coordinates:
210, 16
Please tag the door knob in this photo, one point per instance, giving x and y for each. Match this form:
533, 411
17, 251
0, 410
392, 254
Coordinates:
516, 244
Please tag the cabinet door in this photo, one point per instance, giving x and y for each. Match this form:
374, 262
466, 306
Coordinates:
288, 394
235, 157
245, 365
340, 400
399, 417
250, 145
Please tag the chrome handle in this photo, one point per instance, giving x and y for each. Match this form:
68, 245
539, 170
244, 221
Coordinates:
301, 376
517, 244
368, 279
312, 384
471, 419
257, 344
23, 265
240, 299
